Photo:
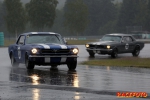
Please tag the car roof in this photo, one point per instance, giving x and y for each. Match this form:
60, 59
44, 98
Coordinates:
29, 33
119, 34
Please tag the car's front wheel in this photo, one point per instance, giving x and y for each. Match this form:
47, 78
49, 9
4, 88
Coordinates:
114, 53
29, 64
136, 51
92, 54
72, 65
13, 61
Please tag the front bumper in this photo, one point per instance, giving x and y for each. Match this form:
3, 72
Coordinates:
52, 60
100, 51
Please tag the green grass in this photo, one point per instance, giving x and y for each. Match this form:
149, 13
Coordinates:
79, 42
124, 62
8, 42
70, 42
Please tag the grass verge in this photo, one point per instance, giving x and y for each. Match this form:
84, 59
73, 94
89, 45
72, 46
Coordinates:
124, 62
79, 42
70, 42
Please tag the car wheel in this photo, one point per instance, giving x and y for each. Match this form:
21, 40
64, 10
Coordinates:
91, 54
136, 51
72, 65
28, 64
13, 62
114, 54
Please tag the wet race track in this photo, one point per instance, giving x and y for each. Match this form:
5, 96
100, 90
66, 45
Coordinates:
86, 83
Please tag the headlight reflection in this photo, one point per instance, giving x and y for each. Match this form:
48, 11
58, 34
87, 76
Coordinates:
77, 97
36, 95
35, 79
76, 81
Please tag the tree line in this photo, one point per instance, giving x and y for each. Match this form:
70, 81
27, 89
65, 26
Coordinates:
77, 17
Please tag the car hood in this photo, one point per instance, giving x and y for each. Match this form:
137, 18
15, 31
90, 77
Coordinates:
103, 43
51, 46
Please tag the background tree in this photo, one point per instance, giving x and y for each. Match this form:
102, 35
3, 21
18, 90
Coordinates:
147, 23
2, 14
127, 14
75, 15
15, 16
41, 13
100, 13
142, 13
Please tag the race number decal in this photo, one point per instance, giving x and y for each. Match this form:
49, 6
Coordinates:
127, 46
19, 53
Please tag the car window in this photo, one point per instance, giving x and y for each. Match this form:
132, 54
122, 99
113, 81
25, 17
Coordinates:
127, 39
111, 38
21, 40
44, 39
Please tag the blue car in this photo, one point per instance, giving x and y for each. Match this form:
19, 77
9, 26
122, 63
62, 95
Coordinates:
42, 48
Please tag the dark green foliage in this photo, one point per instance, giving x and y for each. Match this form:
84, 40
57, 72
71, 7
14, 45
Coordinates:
100, 13
15, 16
76, 16
133, 13
41, 13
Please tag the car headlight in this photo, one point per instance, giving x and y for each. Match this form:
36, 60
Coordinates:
87, 45
75, 51
34, 51
108, 47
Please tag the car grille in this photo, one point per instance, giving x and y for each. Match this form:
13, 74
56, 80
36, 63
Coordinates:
97, 46
55, 51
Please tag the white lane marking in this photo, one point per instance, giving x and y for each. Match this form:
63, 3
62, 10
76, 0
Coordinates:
47, 60
45, 46
63, 59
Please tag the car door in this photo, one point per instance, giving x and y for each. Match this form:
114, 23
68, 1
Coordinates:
125, 45
19, 48
130, 41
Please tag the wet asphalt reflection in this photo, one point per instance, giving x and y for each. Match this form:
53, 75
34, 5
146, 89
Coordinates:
47, 76
88, 79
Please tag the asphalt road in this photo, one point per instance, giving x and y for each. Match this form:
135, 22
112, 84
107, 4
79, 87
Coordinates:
86, 83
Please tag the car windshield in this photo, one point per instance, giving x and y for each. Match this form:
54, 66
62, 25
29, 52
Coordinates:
48, 38
111, 38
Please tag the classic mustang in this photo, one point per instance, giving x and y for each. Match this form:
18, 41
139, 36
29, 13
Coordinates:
113, 44
42, 48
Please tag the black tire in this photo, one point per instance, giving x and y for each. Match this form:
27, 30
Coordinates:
92, 54
13, 62
114, 53
28, 64
136, 51
72, 65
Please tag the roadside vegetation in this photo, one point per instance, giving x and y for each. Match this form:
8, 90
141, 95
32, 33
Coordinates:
69, 42
124, 62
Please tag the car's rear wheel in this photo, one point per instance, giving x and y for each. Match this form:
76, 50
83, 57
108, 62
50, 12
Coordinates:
114, 53
13, 61
29, 64
72, 65
136, 51
92, 54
